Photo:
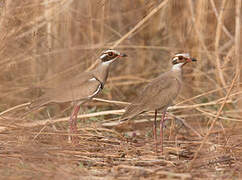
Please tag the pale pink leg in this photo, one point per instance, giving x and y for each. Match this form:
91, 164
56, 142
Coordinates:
154, 131
73, 119
161, 130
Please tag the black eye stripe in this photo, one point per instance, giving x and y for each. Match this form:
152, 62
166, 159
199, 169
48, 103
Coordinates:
107, 56
174, 62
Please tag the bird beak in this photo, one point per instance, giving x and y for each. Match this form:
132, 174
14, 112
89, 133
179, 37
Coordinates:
123, 55
191, 59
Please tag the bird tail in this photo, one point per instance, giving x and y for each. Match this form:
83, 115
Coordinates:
131, 112
39, 102
34, 105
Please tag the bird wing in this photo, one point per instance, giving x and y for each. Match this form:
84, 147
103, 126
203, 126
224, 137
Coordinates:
81, 88
158, 94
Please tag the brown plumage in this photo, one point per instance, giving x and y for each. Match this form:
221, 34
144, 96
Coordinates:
80, 88
159, 94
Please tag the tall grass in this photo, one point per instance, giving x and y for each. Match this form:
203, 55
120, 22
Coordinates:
46, 42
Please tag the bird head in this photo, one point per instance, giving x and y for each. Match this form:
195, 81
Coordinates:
181, 59
110, 55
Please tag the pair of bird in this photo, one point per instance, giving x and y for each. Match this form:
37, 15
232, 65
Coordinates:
157, 95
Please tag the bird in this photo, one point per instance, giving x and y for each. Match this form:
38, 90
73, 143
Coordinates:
80, 88
159, 94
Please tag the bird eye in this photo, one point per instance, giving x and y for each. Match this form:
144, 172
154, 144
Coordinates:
180, 57
110, 53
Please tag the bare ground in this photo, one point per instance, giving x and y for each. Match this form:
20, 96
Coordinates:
99, 153
45, 42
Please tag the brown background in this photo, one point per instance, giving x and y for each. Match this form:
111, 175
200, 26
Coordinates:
46, 42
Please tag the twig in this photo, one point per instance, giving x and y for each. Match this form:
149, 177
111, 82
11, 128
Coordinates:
217, 40
198, 33
213, 122
140, 23
111, 101
216, 14
203, 94
13, 108
126, 103
238, 38
187, 125
171, 107
214, 115
133, 168
42, 21
172, 174
44, 122
146, 18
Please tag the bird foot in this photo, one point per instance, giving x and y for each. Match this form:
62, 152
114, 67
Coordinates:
73, 125
165, 117
73, 139
73, 131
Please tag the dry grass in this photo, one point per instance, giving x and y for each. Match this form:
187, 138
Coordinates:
46, 42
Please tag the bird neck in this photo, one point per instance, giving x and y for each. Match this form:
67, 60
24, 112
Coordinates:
177, 70
177, 67
102, 70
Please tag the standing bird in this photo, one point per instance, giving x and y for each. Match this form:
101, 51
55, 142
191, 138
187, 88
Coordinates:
159, 94
81, 88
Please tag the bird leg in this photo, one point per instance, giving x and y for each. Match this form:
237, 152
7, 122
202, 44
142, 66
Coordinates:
73, 119
154, 131
161, 129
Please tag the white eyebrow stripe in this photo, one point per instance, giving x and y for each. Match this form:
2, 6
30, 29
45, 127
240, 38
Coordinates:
113, 51
183, 54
